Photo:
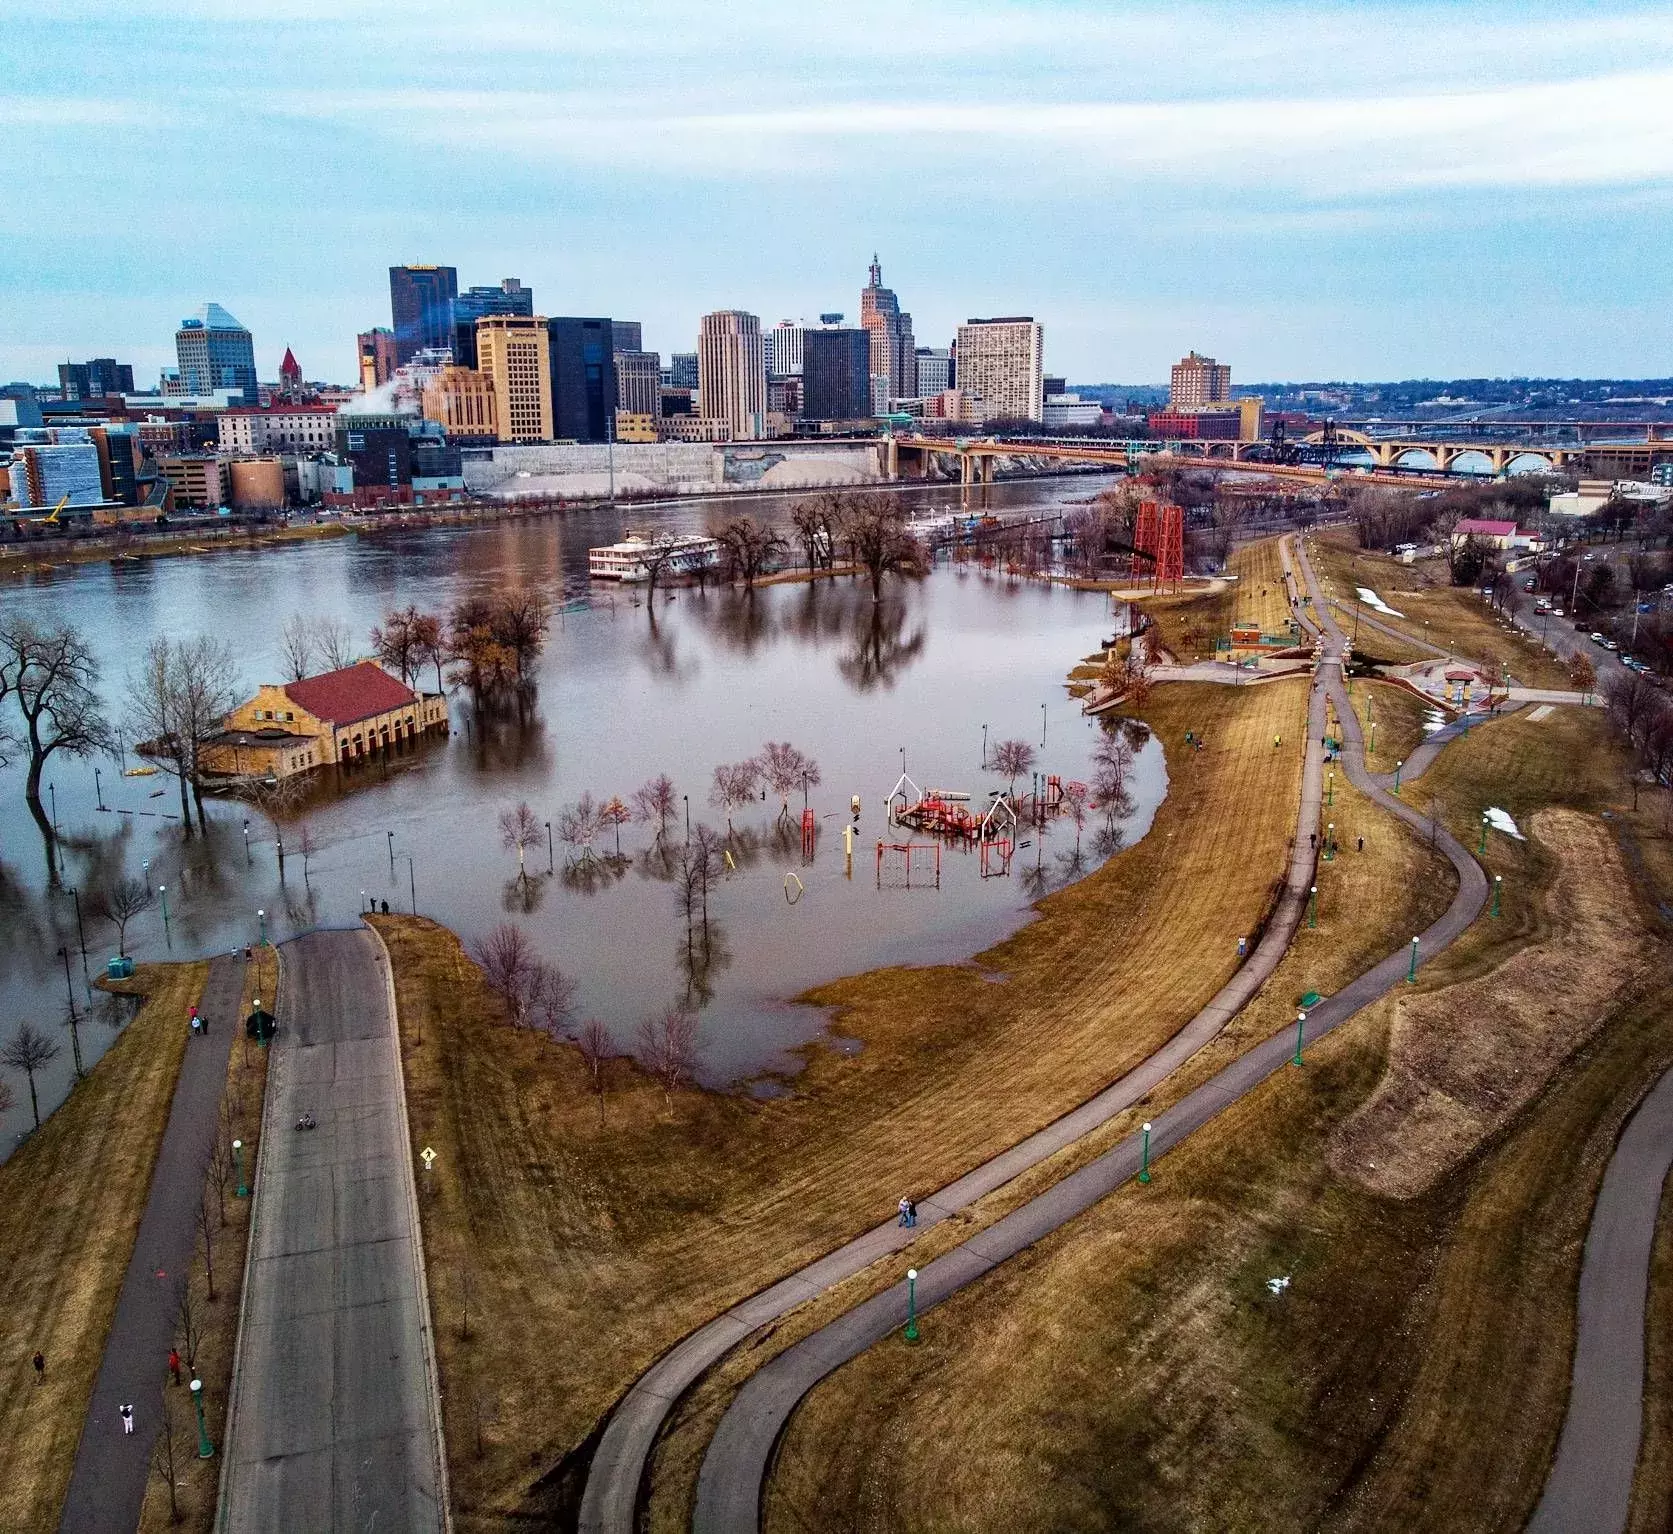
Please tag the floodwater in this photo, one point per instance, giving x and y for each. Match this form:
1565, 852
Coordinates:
620, 698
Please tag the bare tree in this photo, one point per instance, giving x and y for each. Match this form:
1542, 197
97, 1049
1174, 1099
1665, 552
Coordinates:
220, 1166
395, 642
814, 520
520, 622
520, 829
551, 999
429, 645
1011, 759
654, 800
668, 1048
535, 993
578, 825
786, 769
305, 845
751, 547
203, 1217
123, 901
169, 1451
207, 677
657, 561
875, 532
188, 1320
334, 640
594, 1042
1075, 798
53, 678
613, 814
734, 786
296, 647
179, 697
29, 1050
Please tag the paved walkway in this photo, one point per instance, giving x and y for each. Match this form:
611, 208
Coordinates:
1364, 617
107, 1485
611, 1496
1590, 1485
334, 1420
732, 1478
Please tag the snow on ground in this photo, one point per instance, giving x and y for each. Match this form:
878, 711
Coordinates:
1433, 720
1500, 821
1376, 603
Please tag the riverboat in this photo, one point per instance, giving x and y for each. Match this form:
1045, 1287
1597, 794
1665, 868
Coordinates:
626, 561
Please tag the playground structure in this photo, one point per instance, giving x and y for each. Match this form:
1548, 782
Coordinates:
898, 860
948, 814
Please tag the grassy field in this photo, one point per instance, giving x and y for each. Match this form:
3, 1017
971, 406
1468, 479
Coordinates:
1259, 595
1451, 616
1399, 714
70, 1203
196, 1481
1135, 1371
1188, 624
608, 1241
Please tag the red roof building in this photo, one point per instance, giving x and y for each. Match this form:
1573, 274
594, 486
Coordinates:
346, 697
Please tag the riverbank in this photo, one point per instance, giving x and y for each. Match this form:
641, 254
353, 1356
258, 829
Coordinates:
612, 1224
42, 557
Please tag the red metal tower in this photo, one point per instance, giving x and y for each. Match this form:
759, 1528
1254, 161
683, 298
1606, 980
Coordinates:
1170, 548
1146, 536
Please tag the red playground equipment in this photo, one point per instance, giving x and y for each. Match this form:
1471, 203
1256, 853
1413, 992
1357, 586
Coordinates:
897, 860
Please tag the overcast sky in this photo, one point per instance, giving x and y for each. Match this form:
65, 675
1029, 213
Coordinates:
1304, 191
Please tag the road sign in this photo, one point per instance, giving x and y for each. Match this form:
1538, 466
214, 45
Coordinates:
428, 1157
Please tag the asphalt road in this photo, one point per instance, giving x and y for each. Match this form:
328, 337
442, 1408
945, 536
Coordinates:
107, 1485
610, 1500
334, 1419
1590, 1485
732, 1478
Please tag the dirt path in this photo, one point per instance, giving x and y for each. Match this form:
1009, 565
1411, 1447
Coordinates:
107, 1486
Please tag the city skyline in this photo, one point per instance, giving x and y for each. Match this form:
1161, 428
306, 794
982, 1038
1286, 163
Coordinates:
1465, 190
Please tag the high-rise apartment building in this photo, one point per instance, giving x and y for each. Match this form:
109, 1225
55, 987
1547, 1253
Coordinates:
461, 401
508, 297
421, 306
894, 357
638, 384
95, 378
732, 373
216, 352
376, 350
999, 361
583, 360
783, 344
836, 374
513, 351
935, 370
629, 334
1199, 382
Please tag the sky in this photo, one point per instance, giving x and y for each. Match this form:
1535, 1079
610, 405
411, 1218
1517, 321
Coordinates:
1305, 191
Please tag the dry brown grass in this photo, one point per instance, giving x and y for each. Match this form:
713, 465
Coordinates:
71, 1198
596, 1248
1399, 715
197, 1481
1259, 595
1652, 1488
1133, 1372
1189, 623
1451, 616
1466, 1060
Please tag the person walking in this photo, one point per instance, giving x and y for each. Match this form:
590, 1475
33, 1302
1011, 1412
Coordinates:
174, 1364
912, 1212
127, 1419
40, 1366
905, 1207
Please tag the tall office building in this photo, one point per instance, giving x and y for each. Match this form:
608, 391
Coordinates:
935, 370
508, 297
999, 361
462, 402
732, 373
216, 352
783, 345
836, 374
894, 357
376, 350
421, 306
682, 370
1199, 382
583, 361
514, 352
95, 378
638, 383
629, 334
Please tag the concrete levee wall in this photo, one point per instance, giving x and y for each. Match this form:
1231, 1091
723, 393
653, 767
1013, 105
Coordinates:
665, 468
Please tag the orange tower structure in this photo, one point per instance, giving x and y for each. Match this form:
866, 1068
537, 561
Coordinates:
1170, 548
1146, 536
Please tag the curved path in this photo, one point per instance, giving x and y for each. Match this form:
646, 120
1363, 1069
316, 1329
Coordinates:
732, 1480
610, 1501
1590, 1485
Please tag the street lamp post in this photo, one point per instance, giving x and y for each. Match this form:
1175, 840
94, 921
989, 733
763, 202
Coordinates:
1144, 1152
81, 932
687, 798
1313, 906
984, 748
1397, 766
412, 884
1300, 1026
391, 836
52, 789
261, 916
1498, 884
238, 1162
98, 788
1411, 970
162, 892
1042, 726
1330, 788
549, 847
1481, 850
206, 1450
911, 1333
1330, 842
246, 843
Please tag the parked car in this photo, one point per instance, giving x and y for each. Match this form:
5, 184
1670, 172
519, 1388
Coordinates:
1609, 644
1595, 637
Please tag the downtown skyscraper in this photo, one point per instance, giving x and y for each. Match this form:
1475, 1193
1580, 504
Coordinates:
894, 356
732, 373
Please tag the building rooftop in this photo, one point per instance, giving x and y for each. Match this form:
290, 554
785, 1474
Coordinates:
211, 317
354, 693
1488, 527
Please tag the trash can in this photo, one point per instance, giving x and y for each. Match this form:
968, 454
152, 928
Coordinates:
119, 969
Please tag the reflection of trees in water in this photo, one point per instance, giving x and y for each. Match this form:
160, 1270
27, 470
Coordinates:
508, 739
880, 648
740, 620
592, 872
1108, 840
523, 896
660, 653
112, 1009
659, 861
301, 909
706, 956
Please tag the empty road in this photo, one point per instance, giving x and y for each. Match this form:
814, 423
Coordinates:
334, 1413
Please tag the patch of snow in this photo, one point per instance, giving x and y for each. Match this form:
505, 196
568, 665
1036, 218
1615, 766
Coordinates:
1500, 821
1433, 720
1278, 1285
1376, 603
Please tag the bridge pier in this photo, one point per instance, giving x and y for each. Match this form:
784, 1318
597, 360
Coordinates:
891, 459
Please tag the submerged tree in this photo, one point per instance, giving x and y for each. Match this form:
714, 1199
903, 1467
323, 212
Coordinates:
578, 827
734, 786
874, 529
613, 814
653, 801
751, 547
786, 769
520, 829
29, 1050
1011, 759
122, 902
179, 697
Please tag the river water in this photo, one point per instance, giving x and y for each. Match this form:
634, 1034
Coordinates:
620, 698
